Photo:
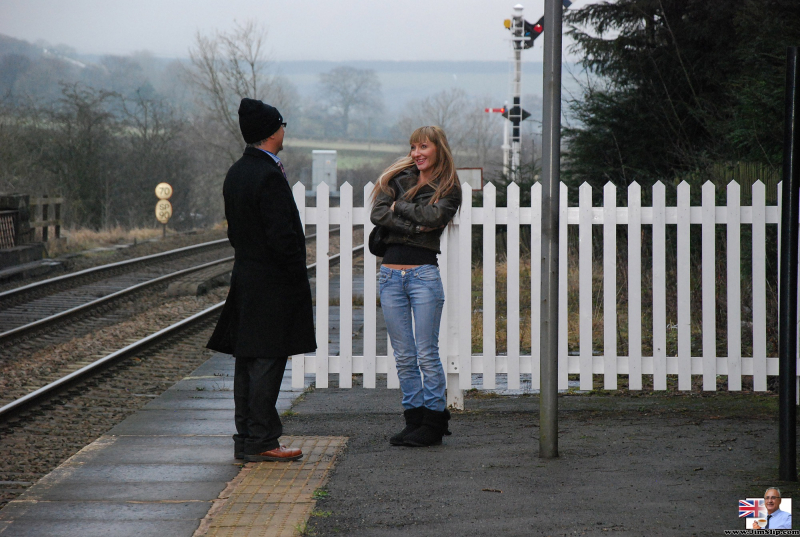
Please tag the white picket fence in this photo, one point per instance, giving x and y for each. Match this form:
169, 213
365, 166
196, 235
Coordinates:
456, 262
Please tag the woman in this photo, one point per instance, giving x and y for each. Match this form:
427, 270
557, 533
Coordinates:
415, 198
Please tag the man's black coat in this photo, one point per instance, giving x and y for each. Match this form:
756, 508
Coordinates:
268, 311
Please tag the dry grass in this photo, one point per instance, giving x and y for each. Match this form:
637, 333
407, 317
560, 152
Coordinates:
621, 299
501, 307
80, 239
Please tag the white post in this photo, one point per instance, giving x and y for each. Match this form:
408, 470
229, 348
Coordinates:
684, 289
298, 360
512, 287
734, 268
709, 289
370, 300
346, 287
610, 287
449, 324
659, 288
464, 289
489, 264
322, 275
585, 286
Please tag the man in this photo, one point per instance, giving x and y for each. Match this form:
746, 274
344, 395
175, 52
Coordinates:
776, 519
267, 316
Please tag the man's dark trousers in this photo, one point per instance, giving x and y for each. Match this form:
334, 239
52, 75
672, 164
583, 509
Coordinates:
256, 386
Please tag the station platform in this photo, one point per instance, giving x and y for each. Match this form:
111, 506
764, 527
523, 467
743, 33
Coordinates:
169, 469
628, 464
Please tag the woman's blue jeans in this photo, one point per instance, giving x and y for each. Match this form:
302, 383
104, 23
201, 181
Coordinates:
416, 292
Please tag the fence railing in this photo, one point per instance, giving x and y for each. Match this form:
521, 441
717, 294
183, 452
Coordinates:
456, 261
46, 213
8, 226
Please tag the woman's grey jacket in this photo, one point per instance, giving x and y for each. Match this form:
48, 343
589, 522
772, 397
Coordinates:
405, 223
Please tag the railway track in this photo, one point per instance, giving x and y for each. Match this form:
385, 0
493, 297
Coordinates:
158, 263
32, 309
76, 401
52, 425
56, 308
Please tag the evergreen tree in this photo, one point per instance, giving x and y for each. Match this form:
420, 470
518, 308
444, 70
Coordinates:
677, 86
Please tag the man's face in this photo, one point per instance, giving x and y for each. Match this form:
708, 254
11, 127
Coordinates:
278, 136
772, 500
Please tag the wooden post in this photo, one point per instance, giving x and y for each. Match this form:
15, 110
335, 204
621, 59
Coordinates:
45, 210
58, 220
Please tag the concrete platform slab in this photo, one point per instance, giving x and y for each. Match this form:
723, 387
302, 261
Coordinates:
205, 383
157, 473
159, 450
173, 395
112, 528
107, 510
91, 474
188, 401
206, 491
177, 422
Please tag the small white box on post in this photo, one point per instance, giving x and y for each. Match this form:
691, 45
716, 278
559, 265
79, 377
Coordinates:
472, 176
323, 168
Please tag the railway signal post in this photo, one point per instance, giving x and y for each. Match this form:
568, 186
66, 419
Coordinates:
519, 41
163, 207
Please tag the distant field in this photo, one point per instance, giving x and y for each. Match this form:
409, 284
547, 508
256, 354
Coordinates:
352, 154
345, 145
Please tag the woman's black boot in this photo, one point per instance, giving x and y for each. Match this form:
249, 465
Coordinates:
434, 426
413, 421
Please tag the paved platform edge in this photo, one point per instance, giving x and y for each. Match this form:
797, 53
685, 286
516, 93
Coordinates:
274, 499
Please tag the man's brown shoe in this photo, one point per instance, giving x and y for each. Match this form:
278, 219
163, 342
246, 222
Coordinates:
276, 455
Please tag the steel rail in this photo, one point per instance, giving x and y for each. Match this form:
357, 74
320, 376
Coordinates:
47, 321
333, 231
11, 293
33, 398
334, 259
30, 400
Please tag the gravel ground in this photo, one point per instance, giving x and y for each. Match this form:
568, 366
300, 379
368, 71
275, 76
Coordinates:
28, 371
91, 259
638, 464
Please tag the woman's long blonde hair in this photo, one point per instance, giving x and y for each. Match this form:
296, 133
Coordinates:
444, 177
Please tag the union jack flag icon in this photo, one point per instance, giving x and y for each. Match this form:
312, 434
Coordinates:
752, 507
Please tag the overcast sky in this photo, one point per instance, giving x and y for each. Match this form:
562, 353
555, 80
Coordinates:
334, 30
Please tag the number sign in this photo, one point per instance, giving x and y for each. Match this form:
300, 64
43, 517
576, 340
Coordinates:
163, 211
163, 191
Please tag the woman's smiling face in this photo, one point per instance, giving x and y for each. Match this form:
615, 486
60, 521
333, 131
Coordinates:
424, 155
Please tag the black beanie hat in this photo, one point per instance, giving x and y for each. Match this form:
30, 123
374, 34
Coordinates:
258, 121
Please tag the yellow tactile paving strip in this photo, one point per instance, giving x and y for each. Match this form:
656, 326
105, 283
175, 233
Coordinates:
274, 499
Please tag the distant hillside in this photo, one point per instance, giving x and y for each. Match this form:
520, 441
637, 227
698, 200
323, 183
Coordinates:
28, 69
10, 45
402, 81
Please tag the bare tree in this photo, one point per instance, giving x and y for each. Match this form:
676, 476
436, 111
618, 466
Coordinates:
483, 139
81, 152
156, 149
347, 89
225, 68
471, 133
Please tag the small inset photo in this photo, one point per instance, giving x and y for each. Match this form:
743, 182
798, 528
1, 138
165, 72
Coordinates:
771, 512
